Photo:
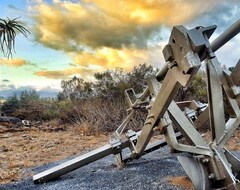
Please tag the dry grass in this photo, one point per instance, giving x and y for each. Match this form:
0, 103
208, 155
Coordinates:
24, 149
181, 181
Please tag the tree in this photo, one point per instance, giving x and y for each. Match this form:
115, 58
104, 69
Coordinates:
112, 84
10, 105
75, 89
196, 90
31, 106
27, 97
139, 74
109, 84
8, 30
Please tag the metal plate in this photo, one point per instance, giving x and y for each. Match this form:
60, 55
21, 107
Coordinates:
196, 171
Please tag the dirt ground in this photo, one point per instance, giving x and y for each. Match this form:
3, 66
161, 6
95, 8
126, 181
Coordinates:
24, 148
29, 147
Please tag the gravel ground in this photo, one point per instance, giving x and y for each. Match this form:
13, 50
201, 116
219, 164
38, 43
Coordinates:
151, 171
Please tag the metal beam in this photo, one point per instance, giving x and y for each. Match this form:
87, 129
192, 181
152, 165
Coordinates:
215, 100
73, 164
152, 147
78, 162
159, 107
92, 156
185, 126
227, 35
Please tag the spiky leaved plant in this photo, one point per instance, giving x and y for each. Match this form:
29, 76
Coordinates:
8, 31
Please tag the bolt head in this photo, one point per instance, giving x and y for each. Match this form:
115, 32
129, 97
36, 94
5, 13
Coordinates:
211, 176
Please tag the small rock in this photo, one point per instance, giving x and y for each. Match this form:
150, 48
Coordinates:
4, 149
6, 135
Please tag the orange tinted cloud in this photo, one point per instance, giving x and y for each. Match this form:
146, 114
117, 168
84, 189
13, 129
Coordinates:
16, 62
72, 26
65, 74
86, 64
109, 34
111, 58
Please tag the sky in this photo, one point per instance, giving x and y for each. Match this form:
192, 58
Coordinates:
81, 37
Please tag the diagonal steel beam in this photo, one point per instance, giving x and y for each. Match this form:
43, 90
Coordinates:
73, 164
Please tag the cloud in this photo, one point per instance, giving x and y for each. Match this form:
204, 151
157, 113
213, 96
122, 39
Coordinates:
16, 62
7, 86
86, 64
5, 80
223, 15
68, 73
72, 64
126, 58
29, 63
100, 35
9, 89
229, 54
74, 26
109, 58
12, 7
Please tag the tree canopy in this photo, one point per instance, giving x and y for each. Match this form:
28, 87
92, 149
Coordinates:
109, 84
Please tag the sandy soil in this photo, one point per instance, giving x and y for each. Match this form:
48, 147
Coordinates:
24, 148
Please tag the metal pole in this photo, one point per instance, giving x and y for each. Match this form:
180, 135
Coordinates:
162, 72
232, 31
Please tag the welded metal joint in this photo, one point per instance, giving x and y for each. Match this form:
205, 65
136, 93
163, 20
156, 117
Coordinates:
116, 145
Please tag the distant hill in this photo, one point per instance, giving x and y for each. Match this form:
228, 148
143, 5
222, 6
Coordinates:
42, 93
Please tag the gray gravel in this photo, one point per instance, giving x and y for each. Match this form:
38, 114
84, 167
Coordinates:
149, 172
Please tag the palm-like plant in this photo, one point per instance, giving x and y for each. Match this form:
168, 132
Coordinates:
8, 30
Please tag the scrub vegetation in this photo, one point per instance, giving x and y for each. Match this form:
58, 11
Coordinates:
100, 105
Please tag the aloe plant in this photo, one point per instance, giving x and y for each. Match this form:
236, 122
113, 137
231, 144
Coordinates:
8, 30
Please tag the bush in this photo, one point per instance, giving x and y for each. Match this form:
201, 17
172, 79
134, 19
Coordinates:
196, 90
10, 106
100, 105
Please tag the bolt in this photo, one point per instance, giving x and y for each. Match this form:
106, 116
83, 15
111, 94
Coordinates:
150, 116
205, 160
211, 176
148, 107
148, 123
172, 64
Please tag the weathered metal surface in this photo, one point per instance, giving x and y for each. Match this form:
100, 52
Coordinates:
73, 164
215, 98
196, 171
